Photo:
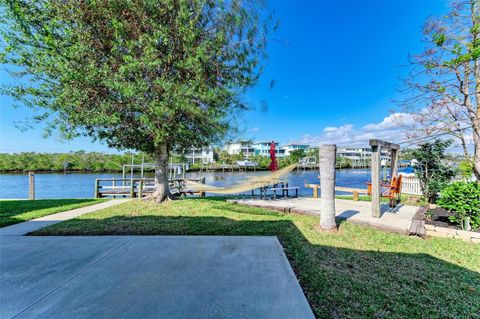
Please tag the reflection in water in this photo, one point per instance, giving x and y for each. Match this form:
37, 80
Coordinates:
81, 185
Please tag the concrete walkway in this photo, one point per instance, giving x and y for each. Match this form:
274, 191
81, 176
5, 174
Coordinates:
148, 277
35, 224
397, 220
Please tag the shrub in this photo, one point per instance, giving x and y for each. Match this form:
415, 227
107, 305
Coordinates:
462, 199
434, 174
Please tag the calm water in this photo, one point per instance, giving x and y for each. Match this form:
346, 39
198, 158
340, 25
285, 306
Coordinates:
81, 185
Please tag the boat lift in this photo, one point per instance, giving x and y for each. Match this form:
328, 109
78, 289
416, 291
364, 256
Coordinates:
175, 170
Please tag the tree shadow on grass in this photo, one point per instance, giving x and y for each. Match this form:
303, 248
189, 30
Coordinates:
338, 282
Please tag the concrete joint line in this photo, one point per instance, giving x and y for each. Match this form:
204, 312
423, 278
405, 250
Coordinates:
74, 276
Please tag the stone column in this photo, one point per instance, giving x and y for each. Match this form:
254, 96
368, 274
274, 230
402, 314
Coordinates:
327, 155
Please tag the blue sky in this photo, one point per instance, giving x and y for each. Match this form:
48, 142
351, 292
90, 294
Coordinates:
334, 81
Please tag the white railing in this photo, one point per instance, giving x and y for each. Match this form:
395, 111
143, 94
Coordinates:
411, 185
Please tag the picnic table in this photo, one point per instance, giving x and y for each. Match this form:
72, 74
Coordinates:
281, 187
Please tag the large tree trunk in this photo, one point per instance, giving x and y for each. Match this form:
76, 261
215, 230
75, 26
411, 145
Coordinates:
162, 191
476, 155
475, 10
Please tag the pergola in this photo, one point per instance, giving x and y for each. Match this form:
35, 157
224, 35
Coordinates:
377, 146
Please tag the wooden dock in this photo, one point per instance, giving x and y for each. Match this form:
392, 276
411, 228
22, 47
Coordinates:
139, 187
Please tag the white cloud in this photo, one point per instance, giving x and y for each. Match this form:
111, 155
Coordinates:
392, 128
389, 129
392, 121
254, 129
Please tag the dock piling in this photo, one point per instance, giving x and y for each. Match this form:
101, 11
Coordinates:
31, 186
97, 186
140, 189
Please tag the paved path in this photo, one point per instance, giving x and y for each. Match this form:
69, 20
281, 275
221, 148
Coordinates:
35, 224
147, 277
396, 220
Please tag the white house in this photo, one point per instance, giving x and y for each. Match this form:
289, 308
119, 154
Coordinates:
240, 147
361, 153
202, 155
293, 147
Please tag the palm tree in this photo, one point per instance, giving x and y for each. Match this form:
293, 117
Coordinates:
327, 155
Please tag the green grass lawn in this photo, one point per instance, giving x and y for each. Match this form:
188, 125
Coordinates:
358, 272
17, 211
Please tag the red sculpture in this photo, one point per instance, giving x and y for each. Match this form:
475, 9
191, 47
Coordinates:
273, 165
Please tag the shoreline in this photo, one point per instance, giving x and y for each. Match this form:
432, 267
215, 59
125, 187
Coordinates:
209, 170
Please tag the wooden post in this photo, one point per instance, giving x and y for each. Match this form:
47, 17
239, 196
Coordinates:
393, 163
327, 155
376, 151
355, 196
132, 188
97, 187
140, 189
31, 185
315, 191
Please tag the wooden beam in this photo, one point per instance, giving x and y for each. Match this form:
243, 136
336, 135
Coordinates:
380, 143
376, 151
341, 189
351, 190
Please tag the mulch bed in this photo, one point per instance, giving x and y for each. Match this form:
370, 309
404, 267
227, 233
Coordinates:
439, 217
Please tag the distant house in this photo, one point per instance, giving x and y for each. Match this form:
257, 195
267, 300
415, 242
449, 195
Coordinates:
240, 147
263, 149
357, 154
202, 155
293, 147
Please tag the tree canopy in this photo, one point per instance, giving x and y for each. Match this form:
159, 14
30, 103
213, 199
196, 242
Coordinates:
134, 73
443, 90
146, 75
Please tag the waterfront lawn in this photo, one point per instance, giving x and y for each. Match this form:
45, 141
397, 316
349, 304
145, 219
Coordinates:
358, 272
17, 211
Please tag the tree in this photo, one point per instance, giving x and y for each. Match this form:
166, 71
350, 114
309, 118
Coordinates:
296, 155
343, 162
145, 75
443, 90
406, 155
430, 169
465, 169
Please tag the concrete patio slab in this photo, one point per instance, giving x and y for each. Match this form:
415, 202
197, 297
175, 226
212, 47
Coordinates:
148, 277
35, 224
396, 219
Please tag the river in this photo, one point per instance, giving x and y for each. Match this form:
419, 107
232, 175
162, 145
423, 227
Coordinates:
81, 185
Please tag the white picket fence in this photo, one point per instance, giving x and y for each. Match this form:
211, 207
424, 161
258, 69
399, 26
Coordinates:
411, 185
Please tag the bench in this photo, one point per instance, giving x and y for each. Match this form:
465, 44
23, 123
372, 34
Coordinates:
354, 191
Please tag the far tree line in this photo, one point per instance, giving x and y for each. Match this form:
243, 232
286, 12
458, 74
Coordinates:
104, 162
